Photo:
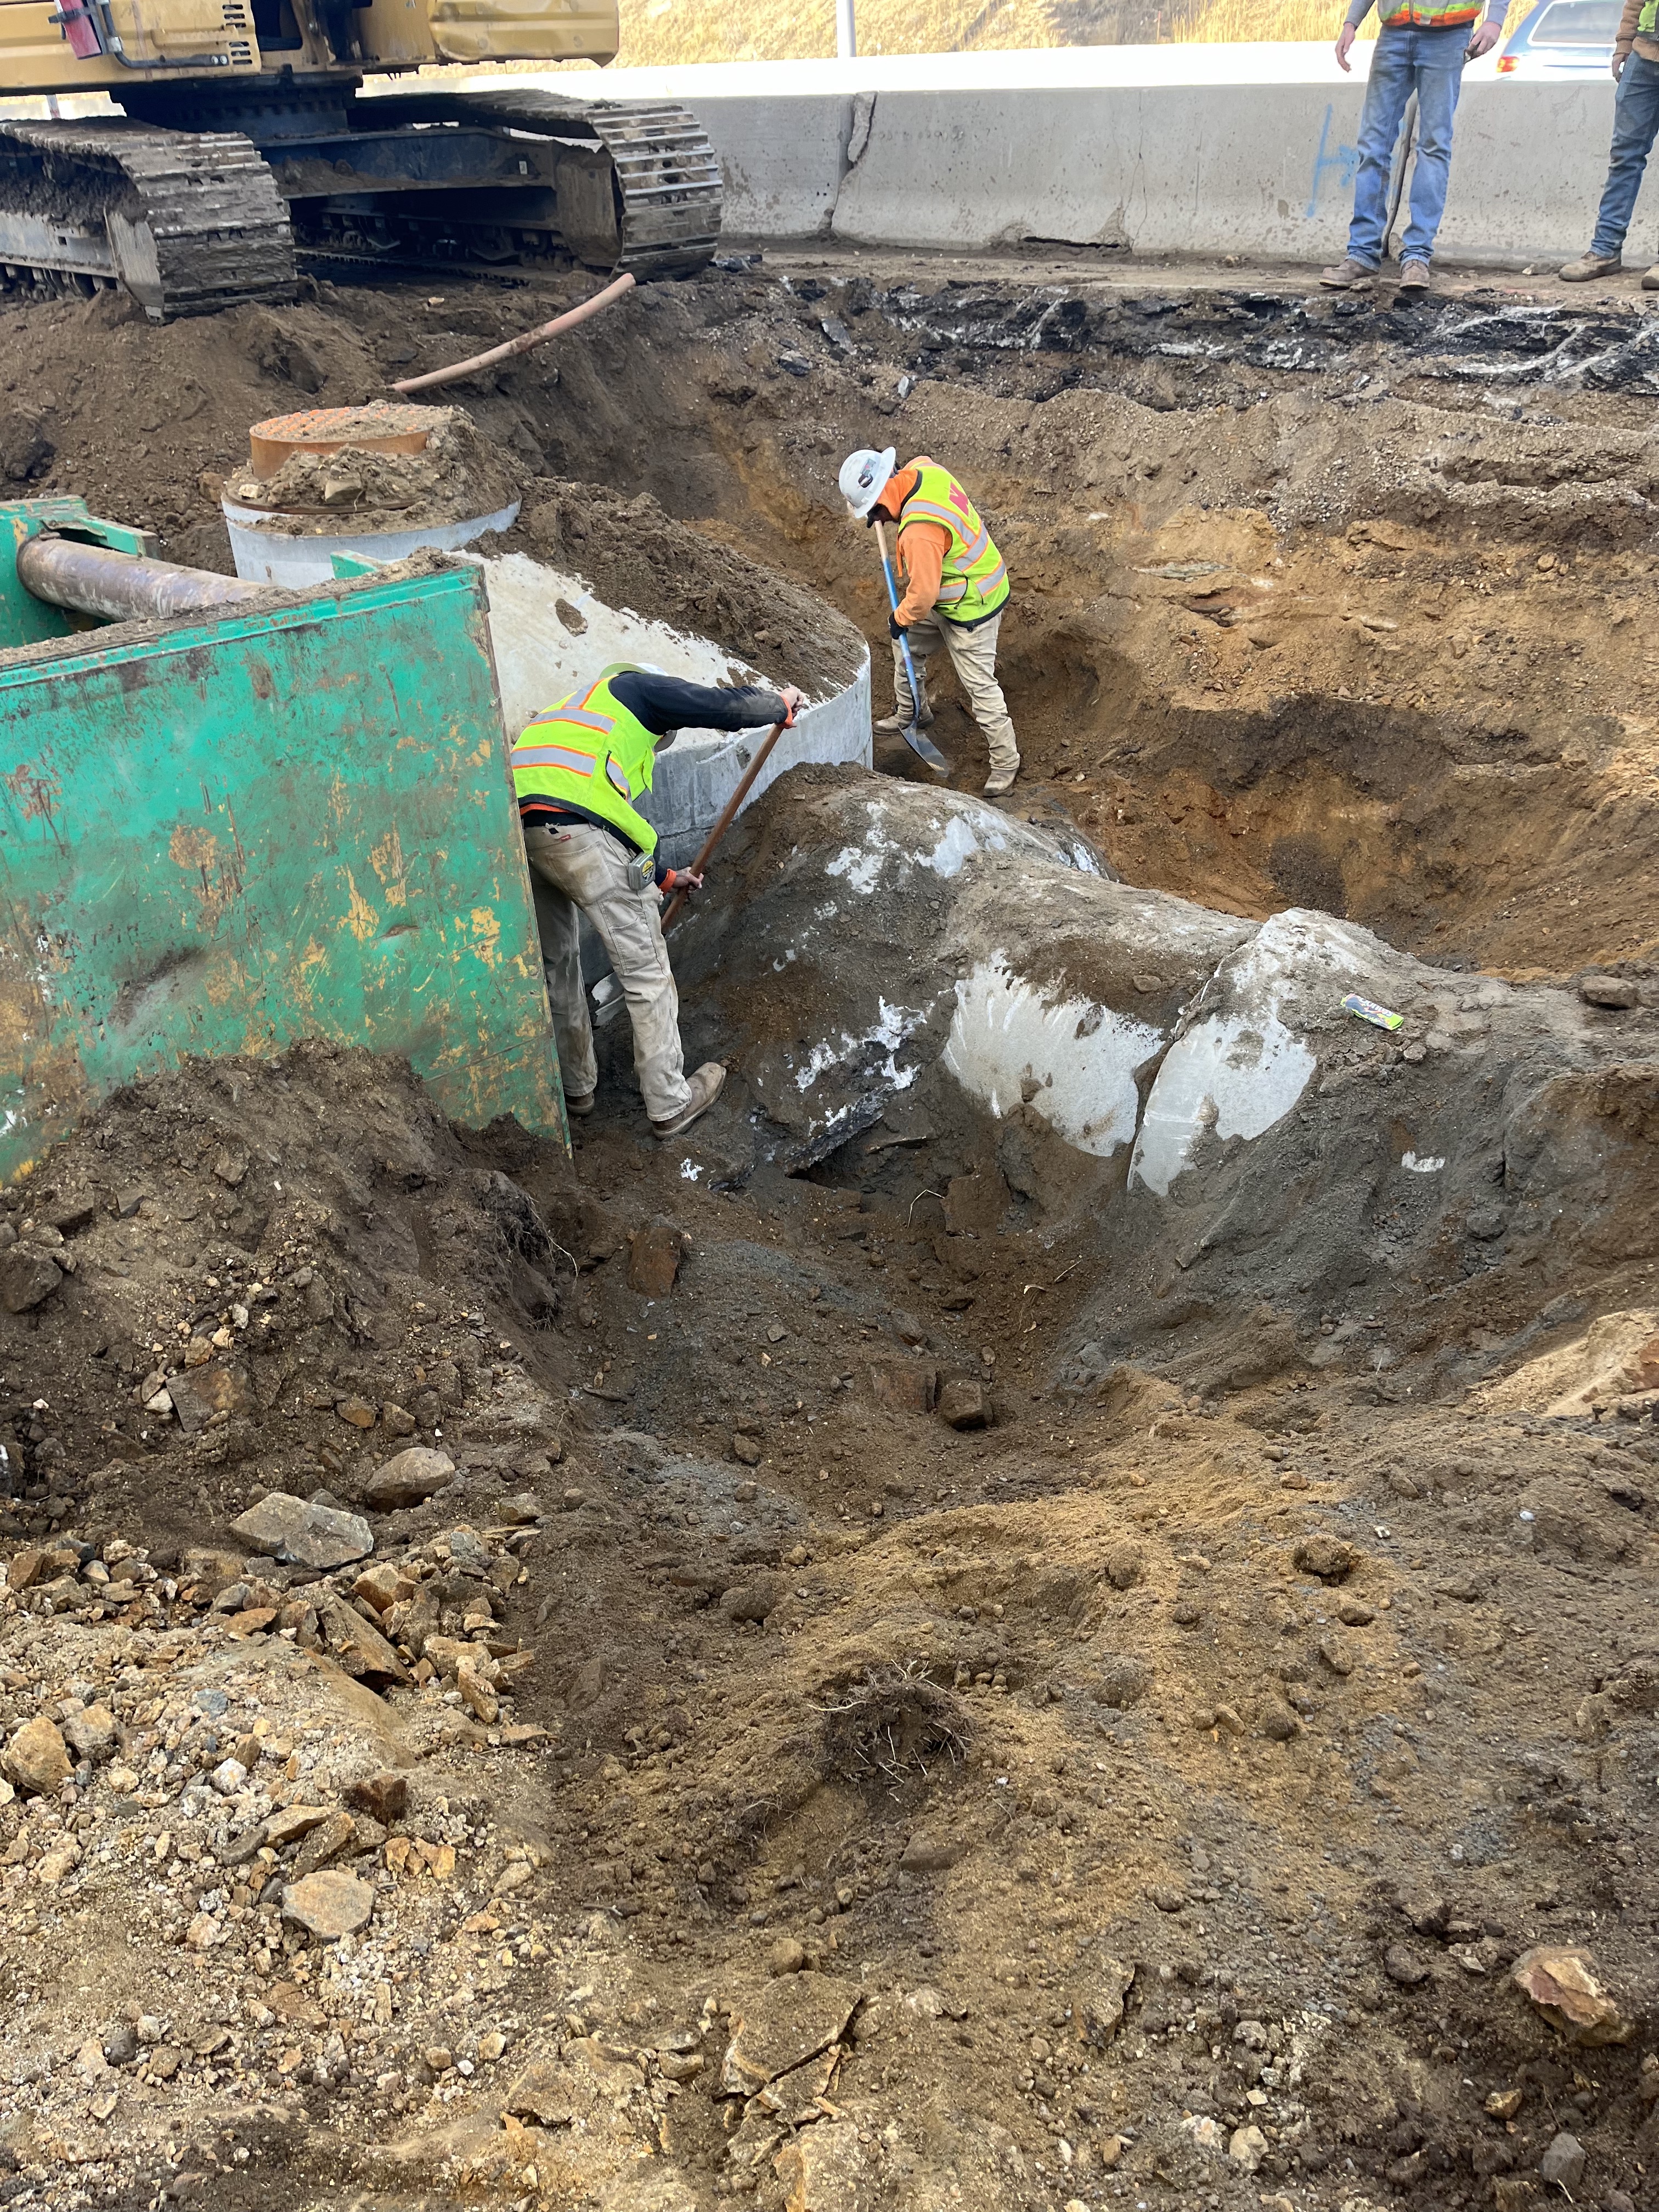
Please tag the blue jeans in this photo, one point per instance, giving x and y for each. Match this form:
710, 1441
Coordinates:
1408, 60
1635, 126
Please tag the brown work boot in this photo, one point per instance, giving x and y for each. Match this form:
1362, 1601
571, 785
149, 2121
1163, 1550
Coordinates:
705, 1089
579, 1103
1650, 282
1348, 276
898, 721
1414, 278
1000, 781
1589, 266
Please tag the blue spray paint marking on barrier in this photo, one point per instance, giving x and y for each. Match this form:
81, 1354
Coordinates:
1345, 160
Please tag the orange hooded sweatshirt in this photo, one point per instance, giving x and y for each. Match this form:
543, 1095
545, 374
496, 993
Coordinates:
921, 550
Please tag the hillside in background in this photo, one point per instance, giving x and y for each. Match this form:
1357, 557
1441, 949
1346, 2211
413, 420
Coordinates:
658, 33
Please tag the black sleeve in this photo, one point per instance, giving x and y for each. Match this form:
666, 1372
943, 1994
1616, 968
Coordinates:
668, 703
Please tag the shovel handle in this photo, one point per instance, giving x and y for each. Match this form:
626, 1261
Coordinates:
892, 602
728, 814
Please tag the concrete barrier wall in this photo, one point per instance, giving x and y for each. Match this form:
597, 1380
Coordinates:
1261, 171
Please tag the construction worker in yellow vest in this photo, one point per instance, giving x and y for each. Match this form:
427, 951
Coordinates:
580, 770
953, 584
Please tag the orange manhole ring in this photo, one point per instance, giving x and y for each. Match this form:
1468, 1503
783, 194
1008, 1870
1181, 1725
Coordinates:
381, 427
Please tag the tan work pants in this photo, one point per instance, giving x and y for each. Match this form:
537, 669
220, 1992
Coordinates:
582, 866
973, 656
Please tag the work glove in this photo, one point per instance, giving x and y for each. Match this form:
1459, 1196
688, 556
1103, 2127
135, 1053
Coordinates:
896, 628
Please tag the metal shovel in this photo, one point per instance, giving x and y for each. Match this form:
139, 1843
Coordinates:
924, 749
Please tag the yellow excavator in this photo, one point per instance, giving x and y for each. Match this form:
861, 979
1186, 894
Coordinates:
246, 131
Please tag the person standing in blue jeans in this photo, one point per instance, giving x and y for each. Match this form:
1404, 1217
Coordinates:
1421, 48
1635, 126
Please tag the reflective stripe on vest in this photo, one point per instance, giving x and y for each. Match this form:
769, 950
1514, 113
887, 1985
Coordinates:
1424, 16
546, 765
973, 577
526, 756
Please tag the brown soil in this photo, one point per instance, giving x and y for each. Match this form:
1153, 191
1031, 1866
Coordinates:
1195, 1749
459, 476
633, 554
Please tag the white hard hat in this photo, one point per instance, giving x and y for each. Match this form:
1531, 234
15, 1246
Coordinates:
863, 478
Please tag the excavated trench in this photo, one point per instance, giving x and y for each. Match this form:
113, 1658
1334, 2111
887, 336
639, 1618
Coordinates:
1073, 1647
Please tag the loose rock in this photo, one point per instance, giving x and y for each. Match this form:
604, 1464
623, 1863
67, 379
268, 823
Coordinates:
26, 1278
1330, 1558
1562, 2164
303, 1532
329, 1906
37, 1761
964, 1403
408, 1478
1565, 1985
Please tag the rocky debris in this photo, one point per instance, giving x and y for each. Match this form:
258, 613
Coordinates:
90, 1734
965, 1402
542, 2092
654, 1259
37, 1760
384, 1796
1562, 2164
826, 2168
1333, 1559
1402, 1965
1565, 1984
1098, 2007
1617, 993
408, 1478
28, 1279
791, 2019
304, 1533
1248, 2147
924, 1854
358, 1645
329, 1906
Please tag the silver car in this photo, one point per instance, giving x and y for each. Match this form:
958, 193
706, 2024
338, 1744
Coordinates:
1562, 38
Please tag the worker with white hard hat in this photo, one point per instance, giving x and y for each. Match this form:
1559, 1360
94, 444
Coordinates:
954, 587
580, 770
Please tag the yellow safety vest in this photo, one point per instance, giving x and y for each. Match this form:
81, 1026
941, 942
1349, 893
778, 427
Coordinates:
1427, 16
974, 581
590, 752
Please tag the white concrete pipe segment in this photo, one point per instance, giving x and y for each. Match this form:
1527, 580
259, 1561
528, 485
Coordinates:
91, 579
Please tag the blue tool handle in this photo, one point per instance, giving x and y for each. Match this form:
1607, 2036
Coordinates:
904, 642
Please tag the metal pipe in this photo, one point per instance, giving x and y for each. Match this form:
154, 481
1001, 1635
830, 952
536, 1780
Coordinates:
847, 36
90, 580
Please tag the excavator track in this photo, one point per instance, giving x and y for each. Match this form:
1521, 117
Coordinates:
187, 221
653, 202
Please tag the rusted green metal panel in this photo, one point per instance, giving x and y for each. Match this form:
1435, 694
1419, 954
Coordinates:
221, 836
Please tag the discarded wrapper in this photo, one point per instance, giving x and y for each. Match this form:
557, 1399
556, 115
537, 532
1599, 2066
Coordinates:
1368, 1011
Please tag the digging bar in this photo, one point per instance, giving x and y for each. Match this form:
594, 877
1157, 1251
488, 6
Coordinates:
924, 749
728, 814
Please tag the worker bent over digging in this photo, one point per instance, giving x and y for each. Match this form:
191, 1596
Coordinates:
577, 770
955, 587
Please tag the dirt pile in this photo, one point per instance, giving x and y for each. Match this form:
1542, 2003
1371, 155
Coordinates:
732, 1765
634, 554
921, 1680
459, 476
